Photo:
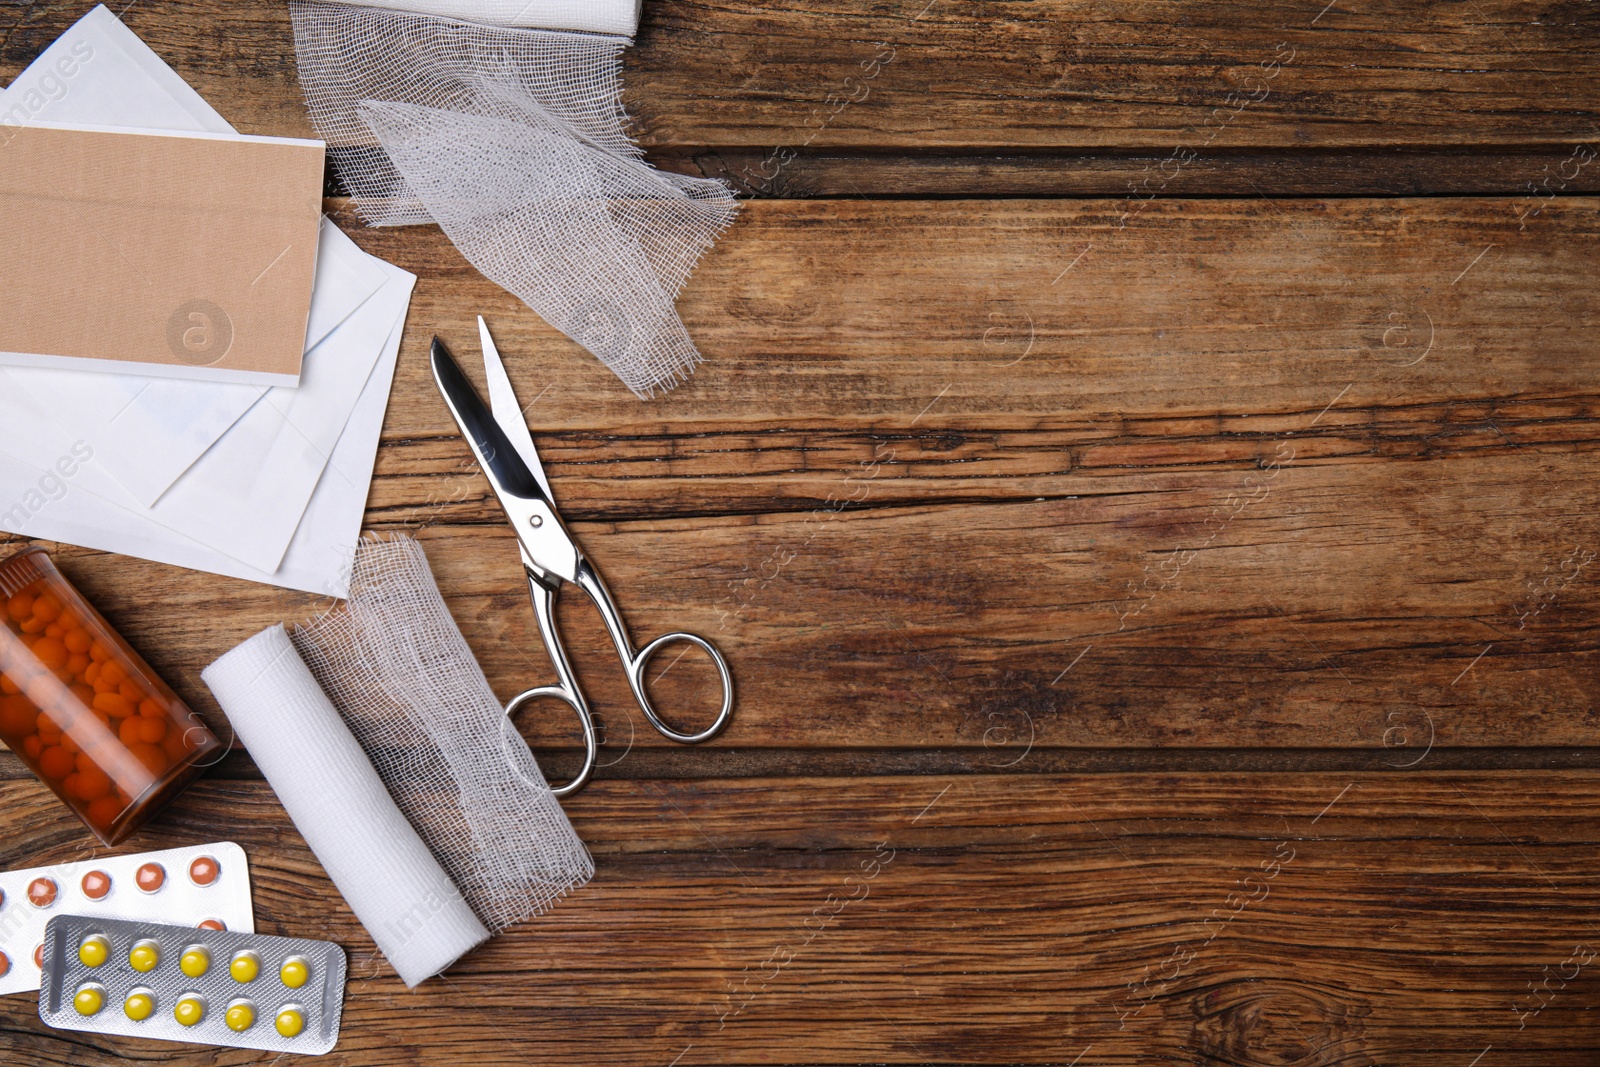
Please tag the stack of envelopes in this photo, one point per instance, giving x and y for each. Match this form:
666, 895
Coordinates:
262, 482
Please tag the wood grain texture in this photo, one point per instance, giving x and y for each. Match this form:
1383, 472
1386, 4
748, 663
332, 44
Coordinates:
1281, 472
1273, 448
1240, 919
1047, 74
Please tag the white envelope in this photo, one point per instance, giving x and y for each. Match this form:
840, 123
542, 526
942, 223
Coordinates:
147, 430
45, 501
151, 430
90, 507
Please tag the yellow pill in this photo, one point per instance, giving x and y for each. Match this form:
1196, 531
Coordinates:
239, 1017
93, 951
139, 1006
89, 1000
294, 972
290, 1022
144, 956
190, 1010
245, 966
195, 961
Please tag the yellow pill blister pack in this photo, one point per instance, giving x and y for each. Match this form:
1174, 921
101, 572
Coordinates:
202, 885
179, 983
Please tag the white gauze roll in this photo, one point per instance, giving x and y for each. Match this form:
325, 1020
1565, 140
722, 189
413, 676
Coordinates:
391, 881
620, 17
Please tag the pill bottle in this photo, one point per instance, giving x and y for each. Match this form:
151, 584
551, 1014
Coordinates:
83, 710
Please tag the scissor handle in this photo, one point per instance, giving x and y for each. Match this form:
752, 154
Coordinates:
566, 688
590, 582
591, 744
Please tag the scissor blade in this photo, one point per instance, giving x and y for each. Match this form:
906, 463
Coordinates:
507, 412
544, 539
495, 453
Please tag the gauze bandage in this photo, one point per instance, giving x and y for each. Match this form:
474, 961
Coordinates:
512, 140
379, 733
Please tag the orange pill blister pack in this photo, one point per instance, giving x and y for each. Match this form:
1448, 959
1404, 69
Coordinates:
205, 887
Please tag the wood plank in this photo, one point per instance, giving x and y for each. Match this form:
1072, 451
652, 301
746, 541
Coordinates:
1399, 171
1274, 528
1056, 74
1250, 919
1313, 604
1084, 315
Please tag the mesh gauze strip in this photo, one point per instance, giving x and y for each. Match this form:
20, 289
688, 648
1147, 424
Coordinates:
513, 141
402, 677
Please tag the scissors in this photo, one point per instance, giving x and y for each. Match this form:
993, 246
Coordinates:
504, 449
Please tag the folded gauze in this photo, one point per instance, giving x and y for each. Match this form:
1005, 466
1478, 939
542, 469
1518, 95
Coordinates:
391, 880
494, 121
620, 17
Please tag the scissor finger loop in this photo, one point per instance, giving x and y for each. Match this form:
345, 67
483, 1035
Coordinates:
636, 679
591, 741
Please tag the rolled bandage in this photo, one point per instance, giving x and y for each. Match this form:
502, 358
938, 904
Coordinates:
619, 17
386, 873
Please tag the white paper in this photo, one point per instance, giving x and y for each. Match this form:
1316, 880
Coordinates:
149, 430
61, 487
43, 500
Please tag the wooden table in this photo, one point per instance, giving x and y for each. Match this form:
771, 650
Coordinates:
1144, 477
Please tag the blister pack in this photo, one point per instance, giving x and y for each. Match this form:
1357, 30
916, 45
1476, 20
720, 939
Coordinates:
196, 886
177, 983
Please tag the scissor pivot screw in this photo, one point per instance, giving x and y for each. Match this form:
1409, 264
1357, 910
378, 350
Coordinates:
536, 521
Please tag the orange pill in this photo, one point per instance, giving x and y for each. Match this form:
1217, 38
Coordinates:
154, 759
46, 608
32, 625
104, 812
151, 708
84, 694
132, 692
20, 606
150, 877
128, 731
56, 762
152, 730
51, 652
176, 744
96, 884
42, 892
91, 673
48, 729
113, 671
32, 746
78, 640
99, 653
204, 870
54, 630
93, 784
212, 924
114, 704
70, 743
7, 686
77, 663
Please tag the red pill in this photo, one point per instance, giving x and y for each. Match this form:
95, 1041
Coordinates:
204, 870
96, 884
150, 877
42, 892
212, 924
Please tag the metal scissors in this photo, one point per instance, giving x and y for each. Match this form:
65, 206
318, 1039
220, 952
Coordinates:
504, 449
